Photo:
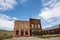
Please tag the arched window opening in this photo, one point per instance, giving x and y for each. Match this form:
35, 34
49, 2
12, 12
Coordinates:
38, 26
32, 25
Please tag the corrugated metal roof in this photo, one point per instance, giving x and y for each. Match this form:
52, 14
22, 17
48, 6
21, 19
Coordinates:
53, 27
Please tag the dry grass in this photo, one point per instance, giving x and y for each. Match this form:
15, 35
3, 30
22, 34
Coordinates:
5, 34
49, 36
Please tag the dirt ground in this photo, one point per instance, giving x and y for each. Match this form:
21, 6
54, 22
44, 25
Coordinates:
34, 38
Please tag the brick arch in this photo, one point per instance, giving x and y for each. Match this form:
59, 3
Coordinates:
22, 32
17, 32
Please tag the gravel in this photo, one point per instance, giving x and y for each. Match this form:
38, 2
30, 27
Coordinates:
34, 38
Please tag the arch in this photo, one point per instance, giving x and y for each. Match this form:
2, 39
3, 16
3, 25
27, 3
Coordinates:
22, 32
17, 32
26, 32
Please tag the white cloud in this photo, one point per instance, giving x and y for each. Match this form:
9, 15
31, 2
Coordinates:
51, 11
7, 4
47, 26
14, 18
49, 3
4, 17
48, 13
22, 1
6, 22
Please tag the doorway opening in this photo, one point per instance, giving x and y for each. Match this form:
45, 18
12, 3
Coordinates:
22, 32
17, 32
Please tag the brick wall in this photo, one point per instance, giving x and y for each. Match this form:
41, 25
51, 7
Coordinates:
24, 28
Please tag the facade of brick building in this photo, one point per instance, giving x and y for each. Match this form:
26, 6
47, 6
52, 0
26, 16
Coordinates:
52, 30
27, 28
32, 28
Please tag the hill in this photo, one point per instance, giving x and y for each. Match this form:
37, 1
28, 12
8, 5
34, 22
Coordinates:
5, 34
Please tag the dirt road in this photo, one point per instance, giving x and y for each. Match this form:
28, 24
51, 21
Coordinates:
34, 38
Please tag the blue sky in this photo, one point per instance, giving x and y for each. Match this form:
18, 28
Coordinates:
46, 10
25, 10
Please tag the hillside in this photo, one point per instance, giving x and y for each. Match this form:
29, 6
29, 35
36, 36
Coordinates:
5, 34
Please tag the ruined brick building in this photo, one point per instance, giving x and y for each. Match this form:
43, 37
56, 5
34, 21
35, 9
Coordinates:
52, 30
32, 28
27, 28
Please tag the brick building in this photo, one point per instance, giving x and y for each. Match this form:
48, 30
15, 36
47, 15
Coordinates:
33, 28
52, 30
27, 28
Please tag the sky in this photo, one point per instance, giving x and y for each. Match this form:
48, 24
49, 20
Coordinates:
48, 11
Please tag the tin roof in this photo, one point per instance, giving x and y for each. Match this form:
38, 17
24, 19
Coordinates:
53, 27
